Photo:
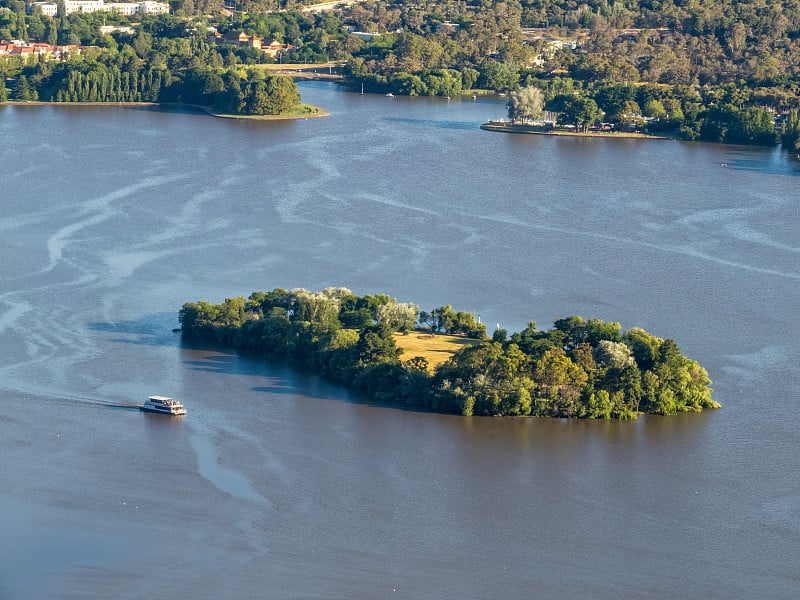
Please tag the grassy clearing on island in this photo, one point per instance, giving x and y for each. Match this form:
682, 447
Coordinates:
435, 348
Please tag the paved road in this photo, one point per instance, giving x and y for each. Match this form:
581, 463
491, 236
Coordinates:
314, 8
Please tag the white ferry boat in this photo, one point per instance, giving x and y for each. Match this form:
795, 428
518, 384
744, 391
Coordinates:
163, 405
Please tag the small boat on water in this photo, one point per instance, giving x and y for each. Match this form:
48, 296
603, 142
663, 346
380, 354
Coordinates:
390, 95
163, 405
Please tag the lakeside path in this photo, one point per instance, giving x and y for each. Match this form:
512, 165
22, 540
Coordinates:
515, 128
331, 71
305, 111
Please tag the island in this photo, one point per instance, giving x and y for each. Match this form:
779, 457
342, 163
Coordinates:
393, 353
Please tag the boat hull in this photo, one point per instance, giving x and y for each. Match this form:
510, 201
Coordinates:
177, 413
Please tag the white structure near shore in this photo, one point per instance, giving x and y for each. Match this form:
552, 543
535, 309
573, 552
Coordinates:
50, 9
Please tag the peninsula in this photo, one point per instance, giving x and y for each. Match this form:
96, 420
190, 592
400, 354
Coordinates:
541, 129
579, 368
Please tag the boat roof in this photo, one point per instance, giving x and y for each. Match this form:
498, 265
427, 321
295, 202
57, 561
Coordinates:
159, 398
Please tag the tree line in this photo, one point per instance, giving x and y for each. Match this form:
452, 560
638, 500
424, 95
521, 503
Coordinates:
716, 115
164, 62
579, 368
715, 70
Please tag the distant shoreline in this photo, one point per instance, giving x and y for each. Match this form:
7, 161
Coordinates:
311, 112
48, 103
533, 129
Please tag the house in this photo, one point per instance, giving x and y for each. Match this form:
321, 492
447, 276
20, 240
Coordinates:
240, 38
273, 47
48, 9
106, 29
448, 28
153, 8
30, 52
365, 35
234, 38
83, 6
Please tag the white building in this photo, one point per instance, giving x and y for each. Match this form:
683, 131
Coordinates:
107, 29
124, 8
153, 8
84, 6
50, 9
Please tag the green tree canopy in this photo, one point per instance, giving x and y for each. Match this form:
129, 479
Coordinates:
526, 104
579, 111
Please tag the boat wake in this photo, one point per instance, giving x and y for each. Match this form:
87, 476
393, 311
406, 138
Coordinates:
85, 401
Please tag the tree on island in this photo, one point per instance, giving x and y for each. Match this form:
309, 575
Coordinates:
276, 95
525, 104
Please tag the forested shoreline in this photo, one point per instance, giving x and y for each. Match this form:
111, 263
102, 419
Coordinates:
166, 62
713, 70
579, 368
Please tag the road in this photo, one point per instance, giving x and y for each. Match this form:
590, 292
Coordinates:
315, 8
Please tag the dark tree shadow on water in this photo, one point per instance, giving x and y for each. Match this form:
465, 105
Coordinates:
186, 109
433, 123
277, 375
158, 329
281, 379
281, 376
769, 162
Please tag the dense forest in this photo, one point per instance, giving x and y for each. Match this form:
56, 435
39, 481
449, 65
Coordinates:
580, 368
165, 61
717, 70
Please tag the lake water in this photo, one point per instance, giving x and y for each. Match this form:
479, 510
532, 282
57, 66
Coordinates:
279, 485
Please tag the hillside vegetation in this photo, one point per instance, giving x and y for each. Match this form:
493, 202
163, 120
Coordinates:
717, 70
